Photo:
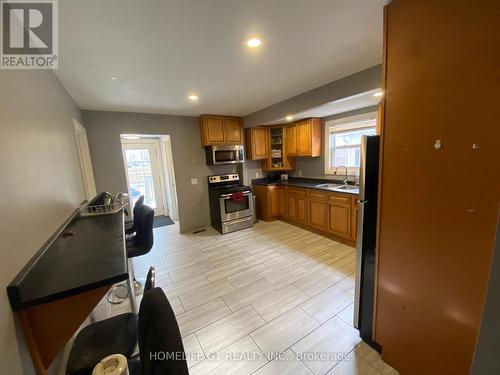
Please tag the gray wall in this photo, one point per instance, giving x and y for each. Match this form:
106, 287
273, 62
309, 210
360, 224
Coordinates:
365, 80
41, 184
103, 131
487, 355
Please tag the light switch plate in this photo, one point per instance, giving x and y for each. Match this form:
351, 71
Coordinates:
194, 181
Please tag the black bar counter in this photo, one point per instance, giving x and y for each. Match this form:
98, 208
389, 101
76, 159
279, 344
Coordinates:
85, 253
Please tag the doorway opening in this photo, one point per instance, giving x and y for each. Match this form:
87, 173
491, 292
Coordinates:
149, 170
82, 146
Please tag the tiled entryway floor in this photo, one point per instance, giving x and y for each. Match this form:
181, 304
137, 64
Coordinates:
242, 298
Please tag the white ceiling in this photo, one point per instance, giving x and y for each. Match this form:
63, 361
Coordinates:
162, 50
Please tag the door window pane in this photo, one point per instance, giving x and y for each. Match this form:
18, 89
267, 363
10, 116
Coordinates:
140, 174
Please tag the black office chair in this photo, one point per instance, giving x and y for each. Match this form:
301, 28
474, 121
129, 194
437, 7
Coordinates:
116, 335
159, 337
143, 240
133, 225
142, 243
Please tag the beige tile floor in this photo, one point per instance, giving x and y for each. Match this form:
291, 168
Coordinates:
272, 299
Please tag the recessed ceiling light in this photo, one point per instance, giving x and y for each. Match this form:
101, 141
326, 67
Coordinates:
378, 94
289, 118
113, 78
131, 136
254, 43
193, 98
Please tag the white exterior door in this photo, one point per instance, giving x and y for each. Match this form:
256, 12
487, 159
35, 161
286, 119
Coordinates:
142, 166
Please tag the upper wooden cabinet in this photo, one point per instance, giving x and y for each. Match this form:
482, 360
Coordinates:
304, 138
277, 159
257, 140
291, 140
216, 130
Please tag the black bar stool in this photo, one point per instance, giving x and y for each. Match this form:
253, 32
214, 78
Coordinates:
116, 335
133, 225
158, 334
143, 241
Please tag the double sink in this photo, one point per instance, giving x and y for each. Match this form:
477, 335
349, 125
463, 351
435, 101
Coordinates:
339, 187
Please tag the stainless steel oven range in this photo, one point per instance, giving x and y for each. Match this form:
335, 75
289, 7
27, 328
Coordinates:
231, 204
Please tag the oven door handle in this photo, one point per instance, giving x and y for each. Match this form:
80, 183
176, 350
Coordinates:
226, 196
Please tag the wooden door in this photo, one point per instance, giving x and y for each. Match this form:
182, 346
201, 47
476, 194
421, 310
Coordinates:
292, 211
318, 214
300, 209
282, 201
272, 199
233, 131
214, 130
436, 239
304, 138
291, 140
259, 139
339, 216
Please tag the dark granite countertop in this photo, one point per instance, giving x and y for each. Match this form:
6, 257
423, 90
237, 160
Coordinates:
84, 254
304, 182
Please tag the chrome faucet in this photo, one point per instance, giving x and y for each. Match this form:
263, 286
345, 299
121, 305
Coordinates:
346, 180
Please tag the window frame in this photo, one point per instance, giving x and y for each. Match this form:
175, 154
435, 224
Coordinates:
346, 124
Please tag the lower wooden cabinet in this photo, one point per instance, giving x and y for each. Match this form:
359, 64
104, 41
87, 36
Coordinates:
282, 201
331, 213
297, 204
339, 220
272, 196
318, 214
266, 201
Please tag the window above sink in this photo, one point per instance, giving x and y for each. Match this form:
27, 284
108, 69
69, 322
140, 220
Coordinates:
343, 139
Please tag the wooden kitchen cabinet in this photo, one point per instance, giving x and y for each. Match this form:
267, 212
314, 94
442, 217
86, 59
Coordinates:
318, 214
339, 216
317, 209
233, 128
257, 141
277, 159
272, 197
333, 214
308, 137
291, 140
296, 204
217, 130
282, 201
266, 201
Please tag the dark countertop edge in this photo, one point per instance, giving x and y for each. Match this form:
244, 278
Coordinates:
27, 267
304, 184
17, 305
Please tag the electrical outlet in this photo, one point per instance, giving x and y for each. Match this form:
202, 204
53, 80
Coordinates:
257, 174
299, 172
194, 181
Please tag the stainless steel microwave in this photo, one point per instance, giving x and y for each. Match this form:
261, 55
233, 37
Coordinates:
225, 154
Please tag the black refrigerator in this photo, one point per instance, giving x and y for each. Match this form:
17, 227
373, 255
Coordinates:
366, 238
